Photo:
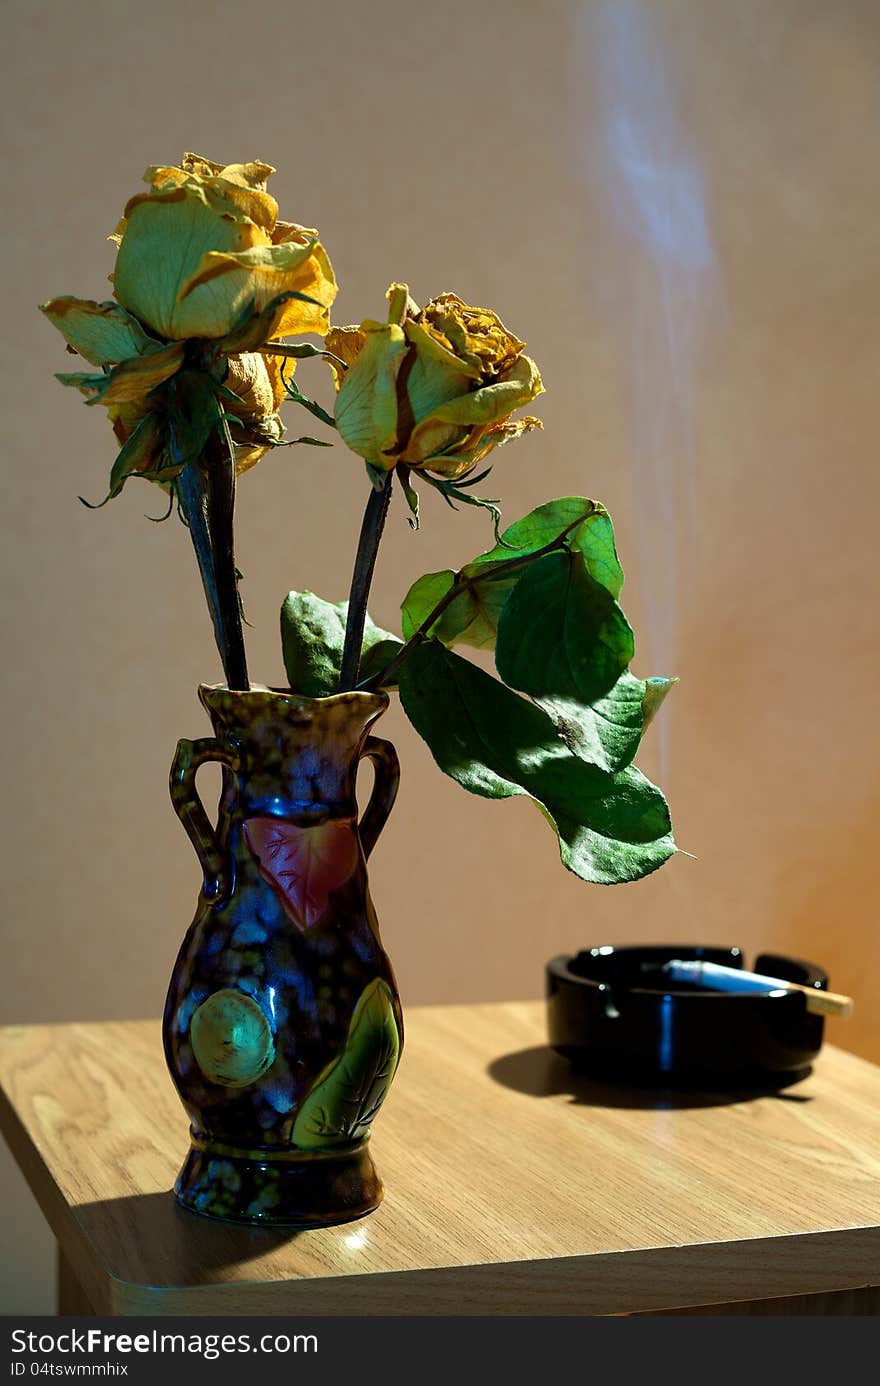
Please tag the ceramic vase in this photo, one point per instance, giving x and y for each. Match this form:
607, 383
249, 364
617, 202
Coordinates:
282, 1026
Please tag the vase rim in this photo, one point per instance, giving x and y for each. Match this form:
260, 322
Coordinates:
363, 697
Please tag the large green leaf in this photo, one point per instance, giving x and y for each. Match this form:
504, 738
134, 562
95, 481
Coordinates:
422, 598
608, 733
312, 637
563, 639
561, 635
349, 1092
585, 526
472, 617
611, 827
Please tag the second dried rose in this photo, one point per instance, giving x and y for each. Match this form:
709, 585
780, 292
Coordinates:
433, 389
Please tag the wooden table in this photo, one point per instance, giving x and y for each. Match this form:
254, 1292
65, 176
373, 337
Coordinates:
513, 1187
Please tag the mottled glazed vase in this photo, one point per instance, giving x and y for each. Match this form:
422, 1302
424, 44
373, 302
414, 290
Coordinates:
282, 1026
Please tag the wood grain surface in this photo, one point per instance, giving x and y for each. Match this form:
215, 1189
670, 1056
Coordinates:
512, 1186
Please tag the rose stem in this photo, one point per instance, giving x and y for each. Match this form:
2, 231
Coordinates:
219, 458
364, 565
207, 506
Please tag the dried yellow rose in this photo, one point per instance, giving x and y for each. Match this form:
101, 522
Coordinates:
431, 389
205, 271
204, 247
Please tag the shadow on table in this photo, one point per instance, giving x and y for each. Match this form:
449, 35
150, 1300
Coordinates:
143, 1234
540, 1072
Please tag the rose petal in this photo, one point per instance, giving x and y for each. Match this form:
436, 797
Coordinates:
257, 382
250, 175
257, 330
429, 345
346, 343
167, 234
253, 277
476, 334
367, 405
432, 381
103, 333
490, 405
239, 188
131, 380
478, 444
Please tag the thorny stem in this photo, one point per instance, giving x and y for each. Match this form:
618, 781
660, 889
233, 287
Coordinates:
364, 566
461, 584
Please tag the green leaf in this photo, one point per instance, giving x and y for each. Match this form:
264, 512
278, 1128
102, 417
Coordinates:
410, 493
193, 411
139, 453
88, 382
421, 599
301, 351
581, 525
348, 1093
562, 638
312, 637
455, 493
585, 526
378, 477
611, 828
471, 617
294, 393
655, 692
608, 733
375, 657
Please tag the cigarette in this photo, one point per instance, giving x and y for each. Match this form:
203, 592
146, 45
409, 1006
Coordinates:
735, 979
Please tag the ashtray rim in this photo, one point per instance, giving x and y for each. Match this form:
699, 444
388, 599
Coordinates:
560, 968
675, 1035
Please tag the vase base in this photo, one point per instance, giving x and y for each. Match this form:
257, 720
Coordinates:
293, 1188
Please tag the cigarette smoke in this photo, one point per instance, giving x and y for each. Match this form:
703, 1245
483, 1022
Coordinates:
650, 185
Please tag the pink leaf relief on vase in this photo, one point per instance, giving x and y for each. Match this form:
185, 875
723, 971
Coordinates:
304, 865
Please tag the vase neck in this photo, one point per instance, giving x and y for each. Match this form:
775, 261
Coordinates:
296, 757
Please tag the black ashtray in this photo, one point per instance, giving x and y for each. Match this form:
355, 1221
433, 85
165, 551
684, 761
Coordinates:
615, 1015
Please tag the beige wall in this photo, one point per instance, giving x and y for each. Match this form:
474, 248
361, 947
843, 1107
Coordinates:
677, 204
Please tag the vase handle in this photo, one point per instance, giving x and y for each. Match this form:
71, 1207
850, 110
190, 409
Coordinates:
387, 771
190, 810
